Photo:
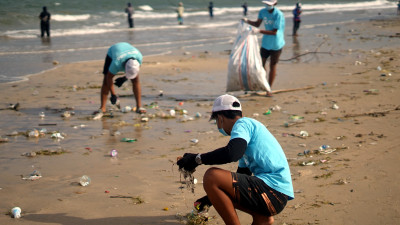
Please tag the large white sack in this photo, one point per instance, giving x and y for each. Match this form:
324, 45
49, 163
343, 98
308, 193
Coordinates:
245, 70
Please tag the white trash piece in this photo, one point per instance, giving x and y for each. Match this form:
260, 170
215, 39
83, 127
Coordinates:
245, 69
84, 181
16, 212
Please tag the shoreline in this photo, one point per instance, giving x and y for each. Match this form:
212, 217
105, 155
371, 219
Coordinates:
354, 184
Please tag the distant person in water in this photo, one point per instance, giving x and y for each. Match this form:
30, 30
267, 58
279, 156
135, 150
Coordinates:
44, 22
398, 8
180, 13
296, 18
210, 9
244, 6
130, 11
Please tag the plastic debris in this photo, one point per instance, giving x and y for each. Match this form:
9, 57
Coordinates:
66, 114
198, 115
304, 133
334, 106
267, 112
126, 109
35, 175
296, 118
113, 153
275, 108
57, 136
128, 139
42, 115
194, 141
372, 91
308, 163
16, 212
84, 181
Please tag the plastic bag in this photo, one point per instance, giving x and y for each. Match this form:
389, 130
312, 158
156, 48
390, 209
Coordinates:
245, 70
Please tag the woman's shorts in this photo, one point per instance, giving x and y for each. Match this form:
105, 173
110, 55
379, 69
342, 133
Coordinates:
253, 194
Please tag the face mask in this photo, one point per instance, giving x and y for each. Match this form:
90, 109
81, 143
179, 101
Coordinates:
270, 7
222, 131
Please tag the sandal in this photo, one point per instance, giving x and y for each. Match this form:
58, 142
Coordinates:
97, 115
141, 110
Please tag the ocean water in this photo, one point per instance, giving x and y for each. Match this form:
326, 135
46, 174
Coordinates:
83, 30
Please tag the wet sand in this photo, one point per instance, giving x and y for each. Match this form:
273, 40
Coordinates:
355, 183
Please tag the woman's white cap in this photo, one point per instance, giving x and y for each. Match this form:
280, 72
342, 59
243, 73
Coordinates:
226, 102
132, 68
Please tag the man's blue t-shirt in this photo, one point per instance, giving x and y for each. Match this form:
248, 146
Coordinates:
120, 53
274, 20
264, 155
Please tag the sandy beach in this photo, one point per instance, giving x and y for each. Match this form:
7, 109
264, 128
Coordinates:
348, 106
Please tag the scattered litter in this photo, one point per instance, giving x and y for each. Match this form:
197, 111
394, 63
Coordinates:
84, 180
113, 153
35, 175
128, 139
304, 133
42, 115
57, 136
194, 141
310, 163
126, 109
267, 112
3, 140
296, 118
335, 106
16, 212
14, 106
255, 114
371, 91
275, 108
66, 114
144, 119
198, 115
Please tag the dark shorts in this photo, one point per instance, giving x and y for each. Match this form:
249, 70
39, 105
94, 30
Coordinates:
107, 64
275, 54
253, 194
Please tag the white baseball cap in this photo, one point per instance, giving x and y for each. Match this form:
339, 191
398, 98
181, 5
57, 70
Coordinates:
270, 2
132, 68
226, 102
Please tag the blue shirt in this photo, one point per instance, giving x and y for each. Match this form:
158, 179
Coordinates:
120, 53
272, 21
264, 155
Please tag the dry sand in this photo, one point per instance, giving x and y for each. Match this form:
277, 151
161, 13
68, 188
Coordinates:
356, 184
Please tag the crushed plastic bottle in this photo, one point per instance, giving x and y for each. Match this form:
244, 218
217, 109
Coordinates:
84, 181
16, 212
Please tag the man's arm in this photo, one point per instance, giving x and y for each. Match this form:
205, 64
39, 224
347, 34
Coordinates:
254, 23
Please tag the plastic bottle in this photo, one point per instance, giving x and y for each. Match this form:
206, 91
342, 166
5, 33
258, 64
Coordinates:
16, 212
84, 181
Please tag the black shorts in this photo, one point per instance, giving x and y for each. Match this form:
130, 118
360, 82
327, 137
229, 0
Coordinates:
253, 194
107, 64
275, 54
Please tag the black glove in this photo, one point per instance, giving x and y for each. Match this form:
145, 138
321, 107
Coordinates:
120, 81
188, 162
113, 99
202, 203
